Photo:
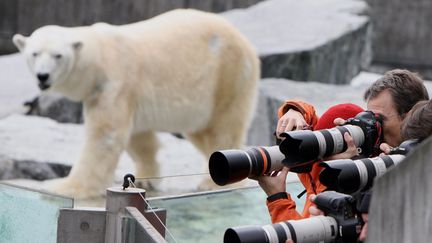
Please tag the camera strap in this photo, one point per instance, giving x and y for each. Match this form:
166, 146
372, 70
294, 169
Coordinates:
312, 184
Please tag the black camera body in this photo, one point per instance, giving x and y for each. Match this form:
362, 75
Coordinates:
371, 124
341, 224
405, 147
302, 148
342, 208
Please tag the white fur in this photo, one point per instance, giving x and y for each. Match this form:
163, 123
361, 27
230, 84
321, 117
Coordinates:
184, 71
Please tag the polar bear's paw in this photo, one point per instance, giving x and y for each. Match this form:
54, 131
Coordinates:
73, 188
147, 185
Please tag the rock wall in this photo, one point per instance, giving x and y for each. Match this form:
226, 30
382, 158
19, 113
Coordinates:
402, 31
324, 41
24, 16
401, 34
401, 205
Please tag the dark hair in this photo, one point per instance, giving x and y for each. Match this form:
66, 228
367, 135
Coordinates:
405, 87
417, 124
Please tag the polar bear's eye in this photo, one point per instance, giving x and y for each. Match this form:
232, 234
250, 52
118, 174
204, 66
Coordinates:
35, 54
58, 56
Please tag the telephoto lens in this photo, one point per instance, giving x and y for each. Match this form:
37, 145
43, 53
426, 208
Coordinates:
349, 176
310, 230
341, 224
302, 147
230, 166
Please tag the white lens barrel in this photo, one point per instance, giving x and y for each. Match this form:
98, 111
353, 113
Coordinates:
315, 229
397, 158
363, 173
321, 144
276, 157
249, 160
338, 140
271, 233
356, 133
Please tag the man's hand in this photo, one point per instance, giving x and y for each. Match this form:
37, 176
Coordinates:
385, 148
339, 121
274, 183
313, 210
350, 152
363, 233
292, 120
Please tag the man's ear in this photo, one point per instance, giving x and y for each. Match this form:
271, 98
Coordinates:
19, 41
77, 45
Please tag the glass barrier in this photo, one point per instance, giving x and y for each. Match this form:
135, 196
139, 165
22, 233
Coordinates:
205, 217
29, 216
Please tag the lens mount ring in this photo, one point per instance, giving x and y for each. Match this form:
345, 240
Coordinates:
363, 173
338, 140
322, 144
271, 233
380, 167
356, 133
286, 229
250, 162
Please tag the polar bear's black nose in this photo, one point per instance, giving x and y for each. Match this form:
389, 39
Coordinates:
43, 77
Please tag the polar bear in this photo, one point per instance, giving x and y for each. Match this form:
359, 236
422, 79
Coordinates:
184, 71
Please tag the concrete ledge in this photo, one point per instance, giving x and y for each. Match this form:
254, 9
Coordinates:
401, 205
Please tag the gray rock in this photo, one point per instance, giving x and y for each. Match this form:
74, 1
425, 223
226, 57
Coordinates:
323, 41
28, 169
25, 18
401, 33
57, 108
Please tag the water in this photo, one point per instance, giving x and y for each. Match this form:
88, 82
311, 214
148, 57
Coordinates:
29, 216
205, 217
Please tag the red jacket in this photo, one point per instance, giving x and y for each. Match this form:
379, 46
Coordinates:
285, 209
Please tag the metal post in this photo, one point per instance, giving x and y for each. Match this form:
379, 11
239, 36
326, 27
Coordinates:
116, 202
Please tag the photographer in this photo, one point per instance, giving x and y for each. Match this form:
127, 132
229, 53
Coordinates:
416, 125
391, 96
284, 209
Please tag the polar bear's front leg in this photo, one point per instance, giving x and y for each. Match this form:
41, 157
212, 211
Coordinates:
107, 137
142, 148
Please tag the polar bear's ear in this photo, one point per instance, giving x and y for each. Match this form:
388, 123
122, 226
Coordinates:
77, 45
19, 41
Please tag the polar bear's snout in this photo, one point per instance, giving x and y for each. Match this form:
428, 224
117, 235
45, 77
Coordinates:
43, 80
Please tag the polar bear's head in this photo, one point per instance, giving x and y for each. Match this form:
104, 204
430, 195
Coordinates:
50, 54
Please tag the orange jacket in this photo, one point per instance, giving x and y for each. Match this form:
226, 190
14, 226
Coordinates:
285, 208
